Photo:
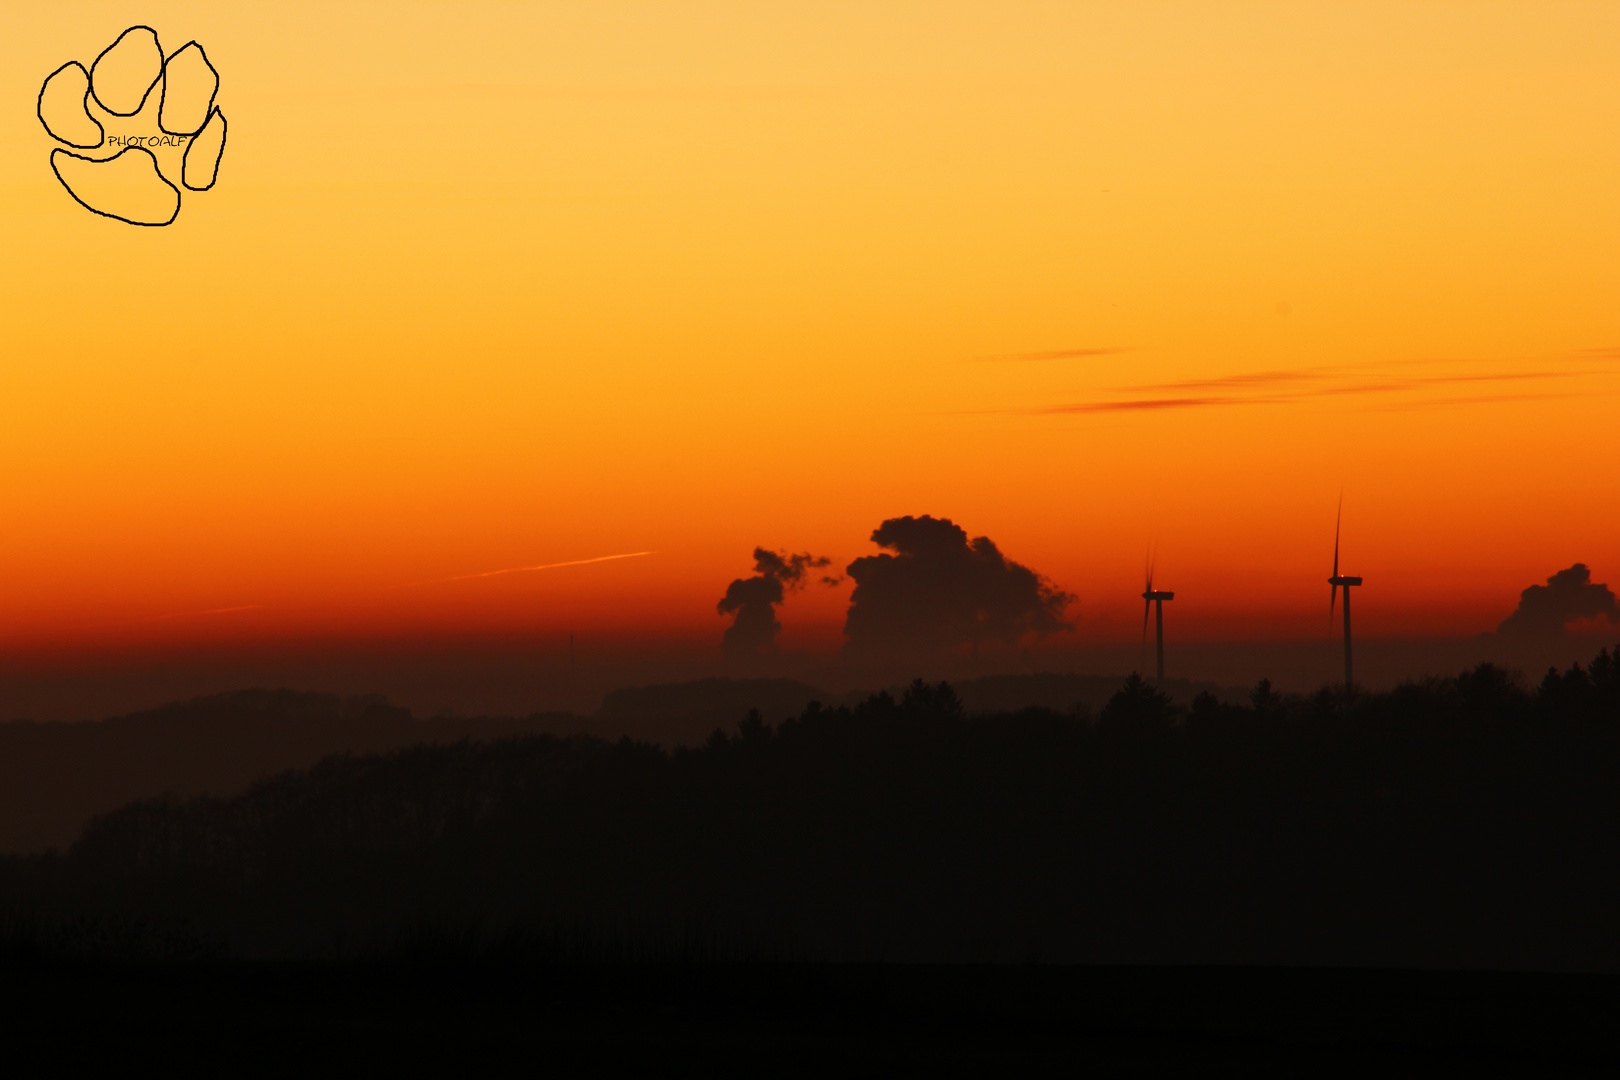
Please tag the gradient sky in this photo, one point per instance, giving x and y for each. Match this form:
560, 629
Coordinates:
502, 285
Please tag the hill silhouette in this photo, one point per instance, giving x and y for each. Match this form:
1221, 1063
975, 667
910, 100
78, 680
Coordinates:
1461, 822
1069, 691
685, 714
54, 777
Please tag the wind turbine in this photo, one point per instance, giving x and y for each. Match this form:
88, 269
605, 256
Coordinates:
1336, 581
1154, 600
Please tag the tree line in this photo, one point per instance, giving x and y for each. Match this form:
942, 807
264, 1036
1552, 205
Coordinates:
1463, 821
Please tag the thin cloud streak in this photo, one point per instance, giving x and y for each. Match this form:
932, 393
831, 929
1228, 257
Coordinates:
1149, 404
1407, 406
210, 611
1060, 354
1263, 378
1258, 379
530, 569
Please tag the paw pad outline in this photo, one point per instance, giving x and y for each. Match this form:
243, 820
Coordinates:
112, 105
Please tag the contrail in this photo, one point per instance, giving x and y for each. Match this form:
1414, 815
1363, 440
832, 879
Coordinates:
526, 569
210, 611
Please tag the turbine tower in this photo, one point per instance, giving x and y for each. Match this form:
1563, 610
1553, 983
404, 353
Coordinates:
1154, 601
1336, 581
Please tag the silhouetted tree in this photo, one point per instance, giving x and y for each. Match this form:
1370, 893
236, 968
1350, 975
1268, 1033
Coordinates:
1264, 699
1137, 707
1492, 693
1605, 676
937, 701
752, 728
1565, 696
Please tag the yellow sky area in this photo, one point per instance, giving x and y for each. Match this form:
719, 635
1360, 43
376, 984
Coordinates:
488, 285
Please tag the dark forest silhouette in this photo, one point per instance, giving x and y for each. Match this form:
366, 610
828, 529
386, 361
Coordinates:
1458, 822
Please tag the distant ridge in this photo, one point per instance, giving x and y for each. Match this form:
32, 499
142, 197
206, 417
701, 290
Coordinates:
55, 777
1062, 692
687, 713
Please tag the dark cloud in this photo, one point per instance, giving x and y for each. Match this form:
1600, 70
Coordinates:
1545, 610
753, 600
940, 590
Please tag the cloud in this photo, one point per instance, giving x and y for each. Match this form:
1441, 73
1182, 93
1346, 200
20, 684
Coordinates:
1283, 387
1147, 404
1229, 382
210, 611
1493, 399
1058, 354
940, 590
530, 569
1545, 610
753, 600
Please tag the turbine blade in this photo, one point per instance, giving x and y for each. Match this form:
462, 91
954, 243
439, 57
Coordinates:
1333, 598
1147, 608
1337, 521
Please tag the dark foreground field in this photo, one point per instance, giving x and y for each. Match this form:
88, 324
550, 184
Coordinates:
422, 1013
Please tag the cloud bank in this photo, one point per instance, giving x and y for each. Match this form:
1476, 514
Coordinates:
1545, 610
938, 590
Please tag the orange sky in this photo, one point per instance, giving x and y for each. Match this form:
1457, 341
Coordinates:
498, 285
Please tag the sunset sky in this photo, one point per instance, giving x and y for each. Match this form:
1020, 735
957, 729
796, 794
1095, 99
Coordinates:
488, 286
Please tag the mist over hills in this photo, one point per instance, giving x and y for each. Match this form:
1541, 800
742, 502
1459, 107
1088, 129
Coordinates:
686, 714
55, 777
519, 675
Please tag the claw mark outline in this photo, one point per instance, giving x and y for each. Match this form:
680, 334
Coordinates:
99, 161
163, 97
144, 96
39, 110
90, 94
185, 158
